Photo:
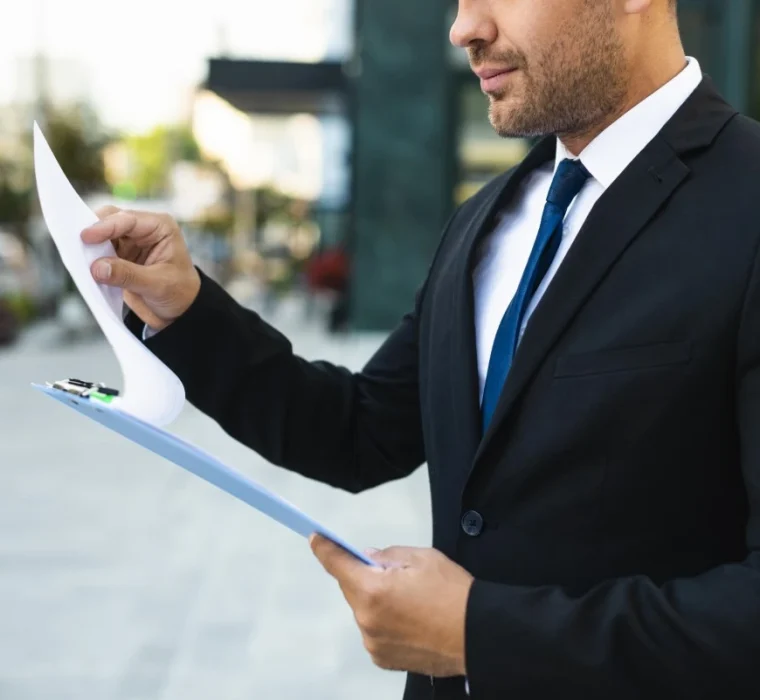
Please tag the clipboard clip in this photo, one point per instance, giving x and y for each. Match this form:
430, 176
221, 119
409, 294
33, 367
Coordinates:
85, 390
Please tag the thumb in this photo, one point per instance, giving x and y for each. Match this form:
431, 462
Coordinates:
116, 272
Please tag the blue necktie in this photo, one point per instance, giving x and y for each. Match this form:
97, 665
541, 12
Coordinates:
570, 177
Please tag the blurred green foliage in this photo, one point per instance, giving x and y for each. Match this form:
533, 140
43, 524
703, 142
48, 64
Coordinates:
151, 155
21, 305
15, 201
77, 139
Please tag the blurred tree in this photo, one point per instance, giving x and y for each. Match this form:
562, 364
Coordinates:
217, 222
152, 154
272, 205
77, 140
15, 193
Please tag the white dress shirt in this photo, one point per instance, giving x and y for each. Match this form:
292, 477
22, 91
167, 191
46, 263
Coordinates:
503, 255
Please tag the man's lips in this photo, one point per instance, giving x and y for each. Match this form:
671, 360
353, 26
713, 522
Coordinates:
487, 73
492, 79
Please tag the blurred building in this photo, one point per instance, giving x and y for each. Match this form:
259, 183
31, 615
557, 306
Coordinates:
409, 129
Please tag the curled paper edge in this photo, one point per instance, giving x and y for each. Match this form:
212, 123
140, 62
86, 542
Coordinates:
151, 391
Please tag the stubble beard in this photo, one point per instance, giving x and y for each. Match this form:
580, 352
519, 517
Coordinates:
573, 85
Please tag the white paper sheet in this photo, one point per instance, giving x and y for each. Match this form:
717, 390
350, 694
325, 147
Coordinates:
150, 391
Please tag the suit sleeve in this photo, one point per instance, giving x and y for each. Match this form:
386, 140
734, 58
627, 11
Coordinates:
628, 638
350, 430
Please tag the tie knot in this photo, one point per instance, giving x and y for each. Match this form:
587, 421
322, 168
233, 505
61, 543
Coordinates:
568, 181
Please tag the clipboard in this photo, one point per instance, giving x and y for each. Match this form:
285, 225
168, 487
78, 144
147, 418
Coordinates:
95, 402
152, 394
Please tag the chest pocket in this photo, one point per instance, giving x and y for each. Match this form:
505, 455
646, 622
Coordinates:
625, 359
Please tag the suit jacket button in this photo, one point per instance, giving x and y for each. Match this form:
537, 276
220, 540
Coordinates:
472, 523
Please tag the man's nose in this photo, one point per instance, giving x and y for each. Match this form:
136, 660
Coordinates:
472, 24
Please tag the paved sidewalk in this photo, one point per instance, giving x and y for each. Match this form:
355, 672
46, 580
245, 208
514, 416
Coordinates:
122, 577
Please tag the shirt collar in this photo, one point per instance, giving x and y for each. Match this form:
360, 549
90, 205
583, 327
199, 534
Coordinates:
612, 151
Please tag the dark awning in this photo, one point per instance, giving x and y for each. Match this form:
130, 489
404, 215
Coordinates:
278, 87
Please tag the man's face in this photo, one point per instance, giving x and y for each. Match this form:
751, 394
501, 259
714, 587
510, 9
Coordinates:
564, 60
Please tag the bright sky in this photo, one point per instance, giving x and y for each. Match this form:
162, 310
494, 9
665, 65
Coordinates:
138, 59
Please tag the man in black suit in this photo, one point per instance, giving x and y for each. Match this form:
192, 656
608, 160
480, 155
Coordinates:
580, 370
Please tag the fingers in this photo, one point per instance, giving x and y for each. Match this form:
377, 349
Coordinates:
339, 563
103, 212
142, 227
116, 272
396, 557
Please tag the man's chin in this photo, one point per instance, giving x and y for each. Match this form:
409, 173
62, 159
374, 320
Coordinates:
509, 122
514, 131
502, 123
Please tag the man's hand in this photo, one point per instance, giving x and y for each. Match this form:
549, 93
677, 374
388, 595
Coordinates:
153, 265
411, 612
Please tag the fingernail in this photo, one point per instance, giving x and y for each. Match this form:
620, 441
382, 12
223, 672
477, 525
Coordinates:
102, 270
370, 551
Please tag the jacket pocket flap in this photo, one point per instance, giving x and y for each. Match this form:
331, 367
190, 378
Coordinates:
621, 359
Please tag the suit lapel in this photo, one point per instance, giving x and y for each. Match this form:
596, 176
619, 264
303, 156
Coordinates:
614, 222
466, 390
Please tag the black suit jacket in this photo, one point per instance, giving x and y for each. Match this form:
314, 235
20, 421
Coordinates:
614, 527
